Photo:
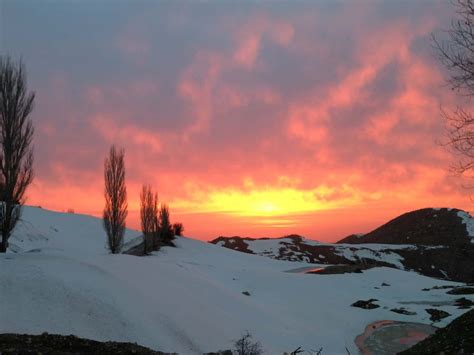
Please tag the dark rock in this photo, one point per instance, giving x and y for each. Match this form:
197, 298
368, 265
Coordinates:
427, 226
341, 269
463, 303
246, 293
437, 314
437, 288
456, 338
461, 291
441, 287
60, 344
139, 249
403, 311
366, 304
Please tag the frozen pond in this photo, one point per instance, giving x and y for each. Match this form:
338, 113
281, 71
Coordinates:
391, 337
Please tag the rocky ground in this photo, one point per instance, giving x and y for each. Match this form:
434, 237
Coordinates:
428, 226
60, 344
24, 344
456, 338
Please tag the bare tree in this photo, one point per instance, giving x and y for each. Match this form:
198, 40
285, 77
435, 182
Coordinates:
166, 229
149, 218
16, 135
456, 53
245, 346
156, 226
115, 211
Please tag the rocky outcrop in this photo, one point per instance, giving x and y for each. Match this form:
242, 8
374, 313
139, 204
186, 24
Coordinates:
455, 338
436, 314
25, 344
428, 226
444, 262
369, 304
60, 344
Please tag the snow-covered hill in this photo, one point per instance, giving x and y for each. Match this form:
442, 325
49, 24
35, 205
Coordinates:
189, 299
41, 229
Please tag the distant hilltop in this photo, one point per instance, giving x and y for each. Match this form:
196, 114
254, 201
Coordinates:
428, 226
436, 242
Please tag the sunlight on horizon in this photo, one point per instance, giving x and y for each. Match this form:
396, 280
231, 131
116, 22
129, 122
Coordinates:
266, 202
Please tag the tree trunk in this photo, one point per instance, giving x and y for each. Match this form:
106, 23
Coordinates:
3, 245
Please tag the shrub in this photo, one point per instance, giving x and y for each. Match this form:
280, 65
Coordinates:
178, 229
166, 229
245, 346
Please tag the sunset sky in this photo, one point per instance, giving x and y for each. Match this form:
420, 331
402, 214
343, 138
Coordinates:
250, 118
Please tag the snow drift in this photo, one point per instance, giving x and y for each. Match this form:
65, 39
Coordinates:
189, 299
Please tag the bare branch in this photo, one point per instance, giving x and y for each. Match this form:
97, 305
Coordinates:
149, 219
115, 211
16, 136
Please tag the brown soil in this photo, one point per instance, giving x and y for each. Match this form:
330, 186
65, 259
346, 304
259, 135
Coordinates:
59, 344
52, 344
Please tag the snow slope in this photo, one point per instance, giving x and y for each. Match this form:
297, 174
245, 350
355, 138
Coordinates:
189, 299
65, 232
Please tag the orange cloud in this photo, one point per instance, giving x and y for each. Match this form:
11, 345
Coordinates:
115, 134
264, 121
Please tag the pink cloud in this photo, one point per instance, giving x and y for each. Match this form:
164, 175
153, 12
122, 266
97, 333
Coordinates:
127, 133
331, 104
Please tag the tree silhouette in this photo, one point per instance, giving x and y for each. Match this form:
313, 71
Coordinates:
456, 53
149, 218
166, 229
16, 135
115, 211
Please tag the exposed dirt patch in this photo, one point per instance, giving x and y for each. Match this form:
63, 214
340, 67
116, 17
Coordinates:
24, 344
70, 344
437, 288
463, 302
461, 291
437, 314
340, 269
139, 249
403, 311
366, 304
